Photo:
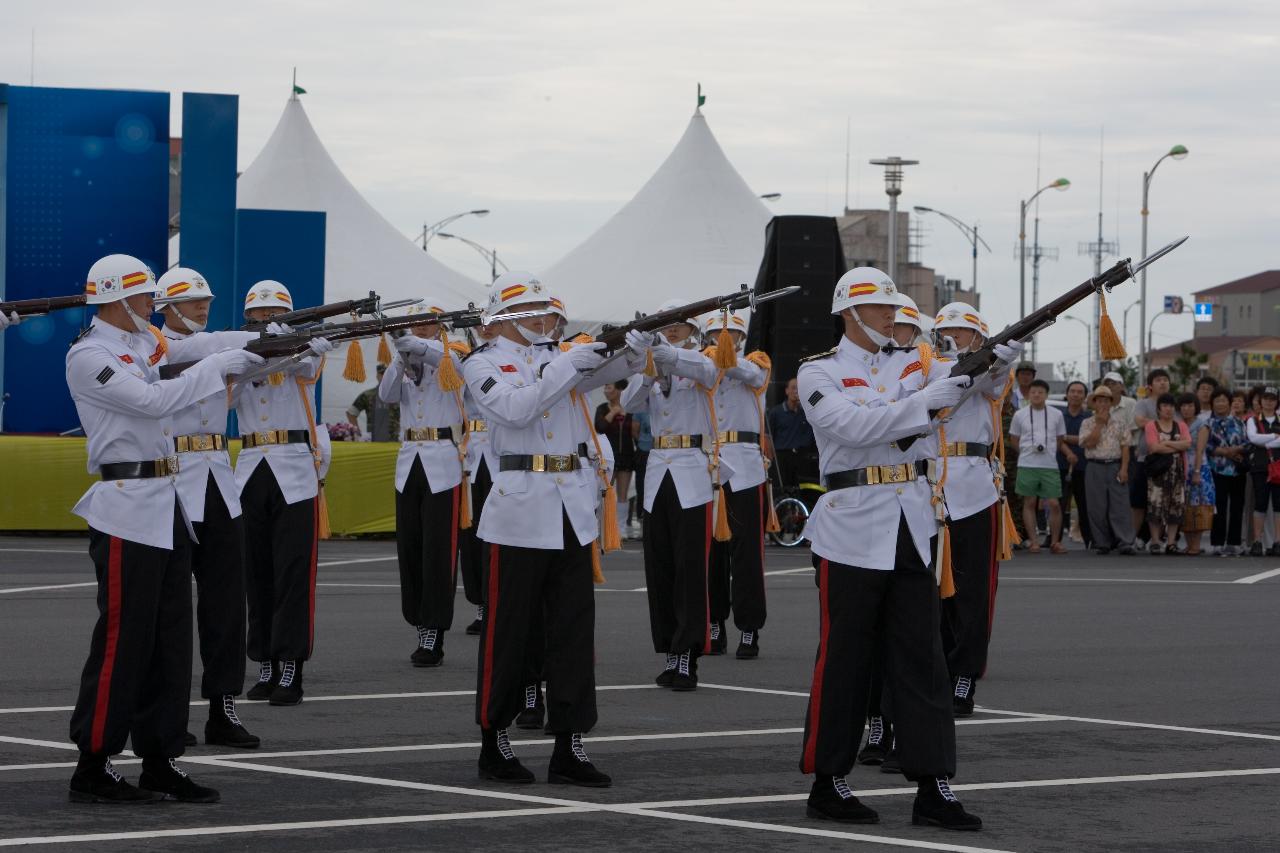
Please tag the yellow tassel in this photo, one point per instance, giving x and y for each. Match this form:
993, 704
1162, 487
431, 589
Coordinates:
726, 353
447, 374
1008, 534
354, 370
597, 574
722, 532
384, 351
1110, 347
464, 509
924, 353
649, 368
946, 582
771, 524
322, 513
610, 539
276, 379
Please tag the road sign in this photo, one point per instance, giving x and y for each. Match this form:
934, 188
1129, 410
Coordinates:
1173, 305
1204, 312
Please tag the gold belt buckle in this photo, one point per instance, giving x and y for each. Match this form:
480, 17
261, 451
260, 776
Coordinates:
559, 463
539, 463
893, 473
167, 467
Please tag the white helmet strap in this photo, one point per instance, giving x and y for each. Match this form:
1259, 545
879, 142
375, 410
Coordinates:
191, 325
140, 323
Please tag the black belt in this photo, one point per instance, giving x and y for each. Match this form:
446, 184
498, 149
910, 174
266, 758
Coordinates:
737, 436
262, 438
1115, 461
140, 470
968, 448
877, 475
542, 461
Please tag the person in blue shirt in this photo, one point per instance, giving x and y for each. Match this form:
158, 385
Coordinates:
1073, 473
794, 449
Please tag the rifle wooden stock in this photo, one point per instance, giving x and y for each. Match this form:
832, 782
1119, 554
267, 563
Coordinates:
33, 307
366, 305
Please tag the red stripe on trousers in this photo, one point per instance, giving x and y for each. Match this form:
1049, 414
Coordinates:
490, 610
109, 650
311, 586
819, 671
453, 536
706, 570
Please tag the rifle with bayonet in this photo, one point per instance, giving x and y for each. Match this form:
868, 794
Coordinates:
45, 305
615, 337
371, 304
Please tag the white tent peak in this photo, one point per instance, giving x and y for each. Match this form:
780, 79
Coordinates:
693, 230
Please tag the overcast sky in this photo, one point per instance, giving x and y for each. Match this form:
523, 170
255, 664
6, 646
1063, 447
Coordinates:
553, 114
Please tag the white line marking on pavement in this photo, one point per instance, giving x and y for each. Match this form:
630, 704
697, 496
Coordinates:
806, 569
26, 741
389, 558
43, 588
1078, 579
84, 552
369, 585
1260, 576
1138, 725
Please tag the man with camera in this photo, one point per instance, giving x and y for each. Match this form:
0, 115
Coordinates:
1036, 433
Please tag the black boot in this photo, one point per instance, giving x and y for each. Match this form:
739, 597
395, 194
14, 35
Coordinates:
686, 677
570, 765
668, 675
498, 762
288, 690
935, 805
268, 676
719, 642
891, 764
224, 727
749, 646
831, 799
962, 696
534, 709
430, 651
96, 781
189, 740
163, 776
476, 626
879, 737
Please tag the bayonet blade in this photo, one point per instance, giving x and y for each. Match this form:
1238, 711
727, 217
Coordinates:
1157, 255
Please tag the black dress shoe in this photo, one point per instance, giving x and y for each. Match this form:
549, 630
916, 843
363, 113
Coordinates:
719, 642
224, 727
1102, 552
668, 675
189, 740
498, 762
749, 646
475, 628
1255, 550
831, 799
1126, 551
891, 763
570, 765
268, 676
935, 805
879, 737
288, 691
163, 777
430, 651
686, 674
534, 709
962, 697
96, 781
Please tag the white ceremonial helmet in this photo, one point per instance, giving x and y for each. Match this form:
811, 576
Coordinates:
716, 320
557, 307
182, 284
865, 286
677, 303
268, 294
423, 307
909, 313
116, 277
958, 315
515, 288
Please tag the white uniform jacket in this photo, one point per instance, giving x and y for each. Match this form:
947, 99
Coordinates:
859, 402
478, 446
523, 392
206, 417
738, 409
681, 410
414, 388
263, 406
127, 414
970, 485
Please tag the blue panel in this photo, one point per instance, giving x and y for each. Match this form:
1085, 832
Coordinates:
86, 174
209, 127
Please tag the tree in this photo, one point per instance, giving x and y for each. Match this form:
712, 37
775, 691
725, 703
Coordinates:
1069, 371
1186, 368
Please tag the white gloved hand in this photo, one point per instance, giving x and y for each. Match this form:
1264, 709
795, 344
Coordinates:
234, 362
1007, 354
664, 354
945, 393
585, 356
279, 329
12, 320
320, 346
639, 342
408, 345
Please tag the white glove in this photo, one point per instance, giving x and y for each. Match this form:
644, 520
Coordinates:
408, 345
279, 329
945, 393
12, 320
585, 357
320, 346
639, 342
664, 354
234, 362
1007, 354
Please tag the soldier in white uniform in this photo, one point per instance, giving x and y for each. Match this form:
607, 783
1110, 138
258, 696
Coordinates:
478, 468
428, 484
973, 509
277, 473
540, 524
678, 497
872, 538
208, 489
737, 567
137, 679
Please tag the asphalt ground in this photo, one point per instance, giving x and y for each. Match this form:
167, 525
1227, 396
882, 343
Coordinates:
1131, 704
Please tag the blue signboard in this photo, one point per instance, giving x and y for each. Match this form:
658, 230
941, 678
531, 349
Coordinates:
1204, 312
85, 174
209, 126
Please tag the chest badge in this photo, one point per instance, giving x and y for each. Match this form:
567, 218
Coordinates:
854, 382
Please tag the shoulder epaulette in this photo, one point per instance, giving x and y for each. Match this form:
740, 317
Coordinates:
480, 348
84, 333
826, 354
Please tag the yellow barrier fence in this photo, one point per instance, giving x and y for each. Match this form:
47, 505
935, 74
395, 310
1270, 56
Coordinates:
43, 477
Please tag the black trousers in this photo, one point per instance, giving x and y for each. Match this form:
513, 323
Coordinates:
427, 548
642, 464
966, 616
522, 583
136, 681
1073, 490
1228, 516
473, 554
737, 567
280, 569
902, 605
217, 561
676, 545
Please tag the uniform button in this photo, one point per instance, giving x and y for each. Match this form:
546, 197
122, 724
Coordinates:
264, 417
560, 480
899, 491
874, 371
529, 360
204, 421
666, 414
546, 414
119, 484
263, 400
550, 434
166, 430
880, 388
501, 492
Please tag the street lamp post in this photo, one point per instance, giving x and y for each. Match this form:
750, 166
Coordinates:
429, 231
1150, 327
971, 234
893, 189
1061, 185
1088, 337
490, 255
1124, 326
1177, 152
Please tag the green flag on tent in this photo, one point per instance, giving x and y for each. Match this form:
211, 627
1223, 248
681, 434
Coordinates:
702, 99
298, 90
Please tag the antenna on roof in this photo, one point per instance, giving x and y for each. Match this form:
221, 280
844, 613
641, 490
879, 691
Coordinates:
702, 99
297, 90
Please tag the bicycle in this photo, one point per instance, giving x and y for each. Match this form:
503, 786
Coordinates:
793, 509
